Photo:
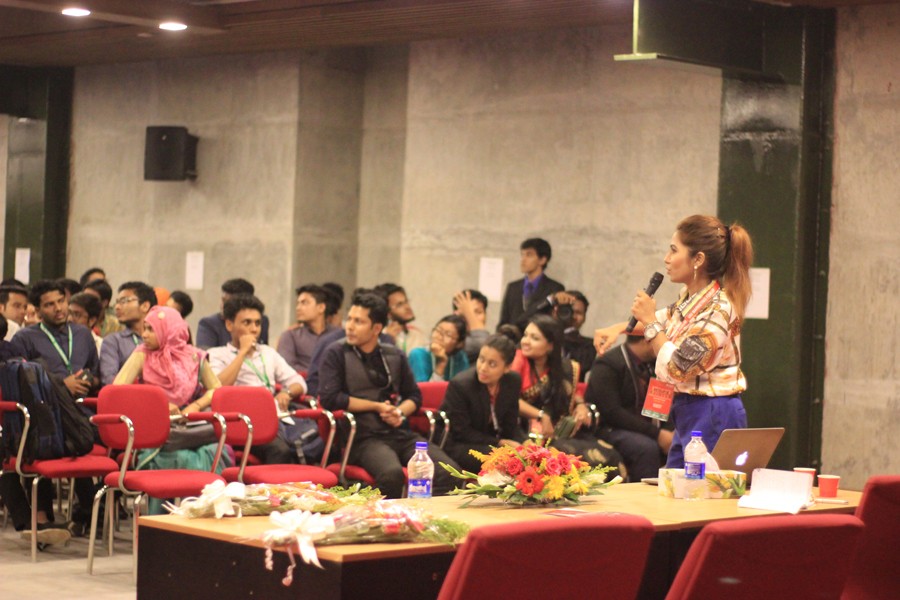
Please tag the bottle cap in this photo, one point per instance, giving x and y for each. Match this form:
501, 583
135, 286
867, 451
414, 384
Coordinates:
421, 445
696, 434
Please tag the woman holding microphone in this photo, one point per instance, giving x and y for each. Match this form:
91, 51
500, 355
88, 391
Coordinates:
697, 338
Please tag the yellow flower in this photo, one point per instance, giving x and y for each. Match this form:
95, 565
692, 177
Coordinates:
555, 486
577, 486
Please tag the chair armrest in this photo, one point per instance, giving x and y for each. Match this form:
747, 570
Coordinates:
106, 419
307, 413
202, 416
9, 406
89, 402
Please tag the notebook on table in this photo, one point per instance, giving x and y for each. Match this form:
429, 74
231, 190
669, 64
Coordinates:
747, 449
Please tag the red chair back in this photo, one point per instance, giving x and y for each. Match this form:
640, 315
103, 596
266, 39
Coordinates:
146, 406
876, 572
255, 402
433, 393
597, 555
789, 556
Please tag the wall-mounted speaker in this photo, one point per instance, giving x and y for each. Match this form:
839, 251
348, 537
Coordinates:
170, 154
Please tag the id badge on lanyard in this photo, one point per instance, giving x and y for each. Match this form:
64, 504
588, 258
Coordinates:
658, 403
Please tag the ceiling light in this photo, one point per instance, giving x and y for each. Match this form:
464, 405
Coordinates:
172, 26
76, 12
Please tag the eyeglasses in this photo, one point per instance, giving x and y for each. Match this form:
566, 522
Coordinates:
125, 300
444, 334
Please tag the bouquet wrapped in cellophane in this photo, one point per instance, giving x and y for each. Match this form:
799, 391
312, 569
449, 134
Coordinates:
237, 499
531, 474
378, 521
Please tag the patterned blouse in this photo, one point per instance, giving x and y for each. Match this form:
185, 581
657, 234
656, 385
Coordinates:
702, 356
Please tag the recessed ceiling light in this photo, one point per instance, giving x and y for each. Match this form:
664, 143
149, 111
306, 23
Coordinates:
76, 12
172, 26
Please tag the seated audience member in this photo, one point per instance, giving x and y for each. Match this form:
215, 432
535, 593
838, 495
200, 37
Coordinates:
69, 354
181, 302
523, 296
444, 358
134, 301
296, 344
90, 275
166, 360
211, 331
618, 386
109, 324
13, 303
375, 383
245, 361
31, 315
14, 496
576, 346
333, 315
400, 316
471, 305
548, 392
483, 404
312, 373
86, 310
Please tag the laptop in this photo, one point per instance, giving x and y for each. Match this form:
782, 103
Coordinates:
747, 449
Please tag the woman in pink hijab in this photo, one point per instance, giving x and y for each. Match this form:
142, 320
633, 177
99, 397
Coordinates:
166, 360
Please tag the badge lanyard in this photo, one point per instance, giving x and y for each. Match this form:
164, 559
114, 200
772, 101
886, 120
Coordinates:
66, 359
262, 376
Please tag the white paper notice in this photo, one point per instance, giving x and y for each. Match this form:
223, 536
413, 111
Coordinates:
490, 278
23, 264
758, 307
783, 491
193, 271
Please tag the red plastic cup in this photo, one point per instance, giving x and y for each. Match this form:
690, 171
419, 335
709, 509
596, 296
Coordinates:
828, 485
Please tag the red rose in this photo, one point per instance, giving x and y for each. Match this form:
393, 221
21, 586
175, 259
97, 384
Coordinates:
529, 482
553, 466
564, 463
514, 466
274, 500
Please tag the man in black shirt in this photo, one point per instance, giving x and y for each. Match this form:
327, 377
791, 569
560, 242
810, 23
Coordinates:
374, 382
618, 385
524, 296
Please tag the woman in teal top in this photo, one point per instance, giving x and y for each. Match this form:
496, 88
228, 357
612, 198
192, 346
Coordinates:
444, 357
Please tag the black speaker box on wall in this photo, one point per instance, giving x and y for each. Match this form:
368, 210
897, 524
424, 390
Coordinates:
170, 154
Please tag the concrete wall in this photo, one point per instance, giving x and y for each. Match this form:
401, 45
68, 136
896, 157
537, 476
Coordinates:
4, 153
862, 380
542, 134
277, 163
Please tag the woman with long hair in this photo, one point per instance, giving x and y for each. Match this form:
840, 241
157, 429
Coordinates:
697, 338
548, 394
483, 404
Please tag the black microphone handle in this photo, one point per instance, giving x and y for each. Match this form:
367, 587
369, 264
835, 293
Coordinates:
654, 284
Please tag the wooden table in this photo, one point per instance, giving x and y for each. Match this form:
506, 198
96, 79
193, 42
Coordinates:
182, 557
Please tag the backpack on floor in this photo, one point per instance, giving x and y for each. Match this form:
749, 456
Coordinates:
304, 437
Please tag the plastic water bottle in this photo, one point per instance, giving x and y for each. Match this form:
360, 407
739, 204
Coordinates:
695, 467
420, 471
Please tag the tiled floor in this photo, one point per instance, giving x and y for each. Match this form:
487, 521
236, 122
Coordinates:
60, 571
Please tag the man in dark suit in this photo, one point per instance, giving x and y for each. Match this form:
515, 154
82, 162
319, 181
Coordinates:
525, 297
618, 385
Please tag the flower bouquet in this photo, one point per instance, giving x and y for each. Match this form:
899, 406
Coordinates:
378, 521
219, 500
531, 475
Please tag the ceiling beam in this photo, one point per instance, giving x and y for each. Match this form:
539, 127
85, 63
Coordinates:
144, 13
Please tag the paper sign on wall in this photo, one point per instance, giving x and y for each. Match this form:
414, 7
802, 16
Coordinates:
193, 271
23, 264
758, 307
490, 278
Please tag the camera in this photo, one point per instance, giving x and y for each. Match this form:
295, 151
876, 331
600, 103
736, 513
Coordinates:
565, 314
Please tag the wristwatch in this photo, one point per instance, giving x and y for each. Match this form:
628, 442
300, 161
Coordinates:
652, 330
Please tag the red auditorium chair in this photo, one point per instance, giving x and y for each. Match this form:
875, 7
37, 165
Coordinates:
132, 418
424, 421
777, 557
590, 556
253, 419
876, 571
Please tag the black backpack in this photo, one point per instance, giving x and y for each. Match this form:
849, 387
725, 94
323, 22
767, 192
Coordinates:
58, 427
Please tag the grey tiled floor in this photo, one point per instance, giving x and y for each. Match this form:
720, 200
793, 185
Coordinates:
60, 571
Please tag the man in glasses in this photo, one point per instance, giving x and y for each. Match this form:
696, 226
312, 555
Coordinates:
134, 301
374, 382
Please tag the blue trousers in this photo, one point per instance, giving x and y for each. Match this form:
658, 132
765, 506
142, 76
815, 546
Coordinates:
709, 414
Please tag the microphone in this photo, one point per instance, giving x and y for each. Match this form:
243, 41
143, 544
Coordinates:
655, 281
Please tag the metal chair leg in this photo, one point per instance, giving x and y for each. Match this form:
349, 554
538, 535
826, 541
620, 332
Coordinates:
95, 509
137, 514
70, 505
34, 501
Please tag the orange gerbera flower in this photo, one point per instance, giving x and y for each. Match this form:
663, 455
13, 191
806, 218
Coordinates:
529, 482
